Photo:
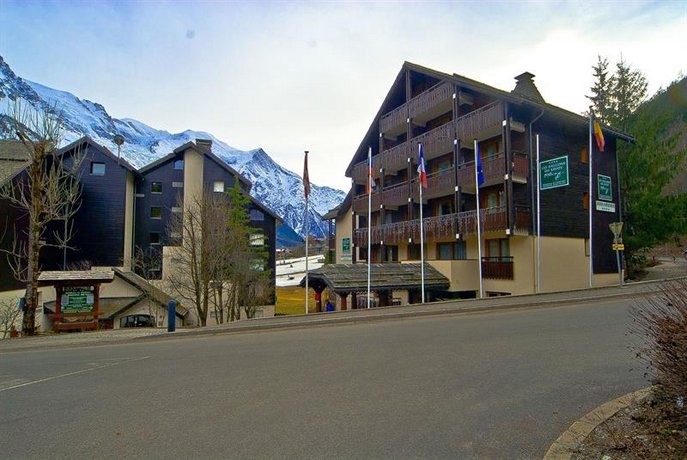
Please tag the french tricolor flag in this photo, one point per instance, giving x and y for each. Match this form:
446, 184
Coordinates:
421, 168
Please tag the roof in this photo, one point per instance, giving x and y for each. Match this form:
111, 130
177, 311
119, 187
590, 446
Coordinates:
353, 277
102, 149
527, 94
13, 159
202, 150
339, 210
75, 276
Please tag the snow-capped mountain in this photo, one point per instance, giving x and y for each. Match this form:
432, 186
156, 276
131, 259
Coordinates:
280, 189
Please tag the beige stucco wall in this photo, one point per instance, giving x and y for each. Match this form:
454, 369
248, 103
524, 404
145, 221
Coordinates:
344, 230
402, 295
564, 264
463, 274
129, 221
521, 249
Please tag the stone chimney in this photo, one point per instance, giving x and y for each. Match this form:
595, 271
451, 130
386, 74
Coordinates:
204, 144
526, 88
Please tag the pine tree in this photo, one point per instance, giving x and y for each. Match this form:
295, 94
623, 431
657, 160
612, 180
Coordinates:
601, 90
628, 91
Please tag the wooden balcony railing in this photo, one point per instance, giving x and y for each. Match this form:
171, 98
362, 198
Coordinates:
360, 202
439, 183
395, 195
429, 99
521, 165
435, 143
394, 119
523, 220
447, 226
500, 268
470, 125
360, 172
396, 158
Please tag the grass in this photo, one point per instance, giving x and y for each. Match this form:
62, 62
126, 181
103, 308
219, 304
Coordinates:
291, 300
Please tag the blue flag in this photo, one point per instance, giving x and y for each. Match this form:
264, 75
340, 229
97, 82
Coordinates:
480, 171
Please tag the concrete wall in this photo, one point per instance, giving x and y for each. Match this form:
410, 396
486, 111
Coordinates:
129, 222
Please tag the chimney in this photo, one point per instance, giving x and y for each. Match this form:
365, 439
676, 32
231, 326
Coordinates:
526, 88
204, 144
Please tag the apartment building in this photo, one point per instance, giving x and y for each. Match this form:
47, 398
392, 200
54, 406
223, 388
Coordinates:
449, 114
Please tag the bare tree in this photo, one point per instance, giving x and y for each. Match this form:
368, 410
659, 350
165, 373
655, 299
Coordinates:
48, 191
8, 315
215, 266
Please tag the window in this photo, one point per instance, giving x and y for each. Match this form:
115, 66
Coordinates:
585, 200
584, 156
97, 169
452, 251
256, 215
257, 239
179, 165
498, 249
137, 321
155, 238
156, 187
156, 212
218, 186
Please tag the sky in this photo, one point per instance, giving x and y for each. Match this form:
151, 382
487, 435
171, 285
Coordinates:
294, 76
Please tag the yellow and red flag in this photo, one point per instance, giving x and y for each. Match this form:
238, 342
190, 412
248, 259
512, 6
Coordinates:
599, 135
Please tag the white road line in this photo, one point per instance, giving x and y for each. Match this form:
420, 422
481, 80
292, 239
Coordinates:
82, 371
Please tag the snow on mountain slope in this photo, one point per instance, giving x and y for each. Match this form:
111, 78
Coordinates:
278, 188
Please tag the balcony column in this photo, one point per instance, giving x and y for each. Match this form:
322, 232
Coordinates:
354, 226
508, 179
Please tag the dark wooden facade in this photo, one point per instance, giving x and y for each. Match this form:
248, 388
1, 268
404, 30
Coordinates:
99, 225
446, 113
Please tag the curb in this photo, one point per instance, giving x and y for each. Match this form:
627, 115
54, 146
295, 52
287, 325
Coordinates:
565, 446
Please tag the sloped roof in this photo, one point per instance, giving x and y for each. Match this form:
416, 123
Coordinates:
102, 149
94, 276
527, 96
202, 150
353, 277
339, 210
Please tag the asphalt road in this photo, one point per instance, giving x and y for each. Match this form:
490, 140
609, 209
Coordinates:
501, 384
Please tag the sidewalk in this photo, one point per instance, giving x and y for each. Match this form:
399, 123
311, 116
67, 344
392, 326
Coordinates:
318, 319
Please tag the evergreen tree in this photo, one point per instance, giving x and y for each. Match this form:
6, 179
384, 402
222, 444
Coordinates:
628, 91
601, 91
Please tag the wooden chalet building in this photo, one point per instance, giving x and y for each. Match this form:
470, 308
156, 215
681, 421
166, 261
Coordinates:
447, 113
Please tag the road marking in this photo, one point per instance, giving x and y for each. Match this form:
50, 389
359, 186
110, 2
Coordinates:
82, 371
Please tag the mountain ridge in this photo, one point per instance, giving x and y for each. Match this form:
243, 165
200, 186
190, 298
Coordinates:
277, 187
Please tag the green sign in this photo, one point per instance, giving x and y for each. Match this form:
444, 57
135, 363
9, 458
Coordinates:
346, 245
554, 173
604, 188
77, 300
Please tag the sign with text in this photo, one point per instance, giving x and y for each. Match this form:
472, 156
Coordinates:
346, 250
77, 300
604, 187
605, 206
554, 173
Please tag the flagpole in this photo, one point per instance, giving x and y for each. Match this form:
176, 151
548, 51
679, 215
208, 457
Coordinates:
591, 201
307, 230
422, 232
479, 225
369, 223
539, 289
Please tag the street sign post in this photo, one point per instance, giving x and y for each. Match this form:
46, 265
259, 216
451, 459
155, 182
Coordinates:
617, 229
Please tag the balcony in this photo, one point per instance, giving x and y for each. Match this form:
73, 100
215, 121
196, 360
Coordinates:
482, 123
435, 101
494, 170
395, 195
396, 158
498, 268
360, 202
435, 143
440, 183
395, 122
